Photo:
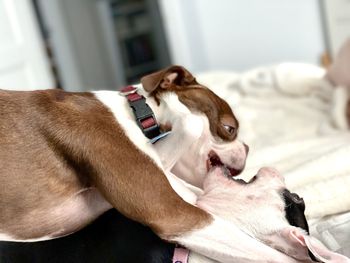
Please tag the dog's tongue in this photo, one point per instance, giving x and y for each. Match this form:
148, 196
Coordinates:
214, 161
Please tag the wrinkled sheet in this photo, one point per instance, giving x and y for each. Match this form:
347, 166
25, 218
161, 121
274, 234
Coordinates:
293, 119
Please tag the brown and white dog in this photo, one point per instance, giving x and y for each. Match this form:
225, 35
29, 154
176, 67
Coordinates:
65, 158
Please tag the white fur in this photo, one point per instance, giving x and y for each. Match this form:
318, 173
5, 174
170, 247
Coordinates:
243, 204
187, 147
185, 150
256, 208
191, 164
227, 243
295, 123
186, 128
120, 108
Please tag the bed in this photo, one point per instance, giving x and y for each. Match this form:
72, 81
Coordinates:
293, 119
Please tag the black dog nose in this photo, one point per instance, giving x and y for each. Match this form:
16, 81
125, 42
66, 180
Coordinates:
295, 208
295, 213
246, 147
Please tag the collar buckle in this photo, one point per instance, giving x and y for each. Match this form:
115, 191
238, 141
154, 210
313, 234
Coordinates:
145, 117
143, 113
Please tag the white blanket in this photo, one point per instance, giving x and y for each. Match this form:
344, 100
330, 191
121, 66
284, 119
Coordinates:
293, 120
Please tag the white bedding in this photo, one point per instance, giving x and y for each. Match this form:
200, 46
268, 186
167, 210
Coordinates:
293, 119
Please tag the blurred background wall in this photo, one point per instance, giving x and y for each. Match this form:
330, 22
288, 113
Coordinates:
105, 44
235, 34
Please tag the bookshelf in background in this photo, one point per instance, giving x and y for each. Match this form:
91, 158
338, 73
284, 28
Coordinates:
140, 37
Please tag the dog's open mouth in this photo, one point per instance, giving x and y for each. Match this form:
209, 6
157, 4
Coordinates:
214, 161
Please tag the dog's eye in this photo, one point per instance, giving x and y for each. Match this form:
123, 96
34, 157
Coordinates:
230, 129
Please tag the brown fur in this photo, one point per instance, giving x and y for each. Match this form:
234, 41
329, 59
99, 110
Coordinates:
202, 99
195, 96
54, 143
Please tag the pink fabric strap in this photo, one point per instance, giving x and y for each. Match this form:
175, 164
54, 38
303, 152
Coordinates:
180, 255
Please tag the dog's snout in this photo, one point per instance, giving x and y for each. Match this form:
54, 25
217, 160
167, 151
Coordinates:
273, 176
246, 148
269, 172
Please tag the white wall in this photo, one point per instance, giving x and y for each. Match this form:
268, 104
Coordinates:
337, 22
78, 37
23, 61
238, 35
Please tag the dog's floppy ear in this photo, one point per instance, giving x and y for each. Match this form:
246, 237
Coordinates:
165, 78
297, 243
322, 253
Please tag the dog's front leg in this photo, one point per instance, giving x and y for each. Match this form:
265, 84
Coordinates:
140, 190
151, 200
186, 129
133, 184
221, 240
188, 192
224, 242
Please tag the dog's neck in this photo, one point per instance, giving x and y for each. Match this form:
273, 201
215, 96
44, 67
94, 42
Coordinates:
169, 108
